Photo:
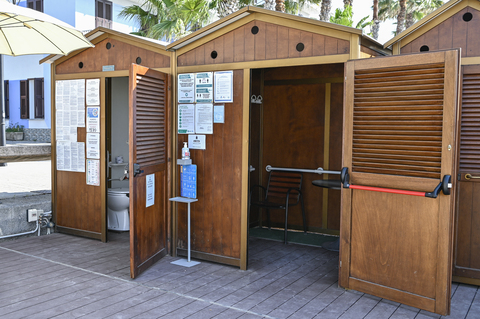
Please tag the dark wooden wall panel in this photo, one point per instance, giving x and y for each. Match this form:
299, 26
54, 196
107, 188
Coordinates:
271, 42
336, 135
216, 217
121, 54
293, 135
451, 33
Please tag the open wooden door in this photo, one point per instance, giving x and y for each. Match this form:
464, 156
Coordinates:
148, 142
399, 138
467, 236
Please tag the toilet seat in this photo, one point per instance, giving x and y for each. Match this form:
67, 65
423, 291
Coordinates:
118, 191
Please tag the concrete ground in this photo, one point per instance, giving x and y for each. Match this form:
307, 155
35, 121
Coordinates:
21, 178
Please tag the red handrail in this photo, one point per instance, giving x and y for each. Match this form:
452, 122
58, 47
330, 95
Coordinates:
387, 190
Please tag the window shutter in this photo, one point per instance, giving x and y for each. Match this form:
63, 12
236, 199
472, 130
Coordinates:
39, 101
24, 114
7, 99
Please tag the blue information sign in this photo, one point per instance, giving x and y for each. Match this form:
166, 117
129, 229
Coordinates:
188, 181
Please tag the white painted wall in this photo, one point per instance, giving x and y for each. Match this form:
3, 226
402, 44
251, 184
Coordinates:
119, 125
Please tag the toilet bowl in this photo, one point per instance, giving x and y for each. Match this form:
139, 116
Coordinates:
118, 204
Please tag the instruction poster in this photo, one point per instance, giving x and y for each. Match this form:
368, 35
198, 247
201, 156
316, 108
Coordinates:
188, 181
186, 88
150, 190
219, 113
224, 87
204, 87
93, 92
70, 156
93, 172
204, 119
93, 145
69, 115
93, 119
186, 118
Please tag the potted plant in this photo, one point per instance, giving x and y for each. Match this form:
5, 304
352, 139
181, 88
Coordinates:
14, 132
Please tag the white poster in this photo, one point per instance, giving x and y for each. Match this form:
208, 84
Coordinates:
224, 87
186, 88
204, 87
196, 142
93, 92
150, 190
93, 119
186, 118
93, 145
204, 118
93, 172
219, 113
70, 156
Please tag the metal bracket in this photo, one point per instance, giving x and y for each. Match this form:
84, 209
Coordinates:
136, 169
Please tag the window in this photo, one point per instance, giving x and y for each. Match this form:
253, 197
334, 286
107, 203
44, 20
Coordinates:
103, 13
32, 99
35, 5
6, 96
24, 107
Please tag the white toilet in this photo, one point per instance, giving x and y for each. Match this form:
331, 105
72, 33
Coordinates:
117, 209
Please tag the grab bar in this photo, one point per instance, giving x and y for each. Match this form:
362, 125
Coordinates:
444, 186
301, 170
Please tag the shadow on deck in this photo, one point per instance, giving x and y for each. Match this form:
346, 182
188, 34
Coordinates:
62, 276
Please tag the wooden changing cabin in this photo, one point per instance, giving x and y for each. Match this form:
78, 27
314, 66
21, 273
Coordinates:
455, 25
306, 94
105, 105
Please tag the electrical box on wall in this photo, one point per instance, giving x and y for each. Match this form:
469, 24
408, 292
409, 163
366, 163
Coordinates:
32, 215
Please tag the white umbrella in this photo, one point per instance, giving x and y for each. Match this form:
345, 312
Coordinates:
27, 31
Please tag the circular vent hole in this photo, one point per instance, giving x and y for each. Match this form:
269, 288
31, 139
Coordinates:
300, 47
109, 45
467, 17
80, 65
214, 54
424, 48
254, 29
138, 60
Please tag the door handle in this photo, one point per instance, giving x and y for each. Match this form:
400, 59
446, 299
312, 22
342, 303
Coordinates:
469, 176
136, 169
252, 168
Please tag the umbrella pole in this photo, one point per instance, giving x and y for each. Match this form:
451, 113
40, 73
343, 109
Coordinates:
3, 141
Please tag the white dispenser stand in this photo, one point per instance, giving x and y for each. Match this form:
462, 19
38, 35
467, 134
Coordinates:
188, 201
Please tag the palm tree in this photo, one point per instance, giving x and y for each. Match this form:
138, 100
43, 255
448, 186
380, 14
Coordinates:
226, 7
280, 5
376, 22
401, 16
415, 10
325, 10
168, 19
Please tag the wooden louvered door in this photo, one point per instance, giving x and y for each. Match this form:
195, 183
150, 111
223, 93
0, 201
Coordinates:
148, 141
399, 133
467, 233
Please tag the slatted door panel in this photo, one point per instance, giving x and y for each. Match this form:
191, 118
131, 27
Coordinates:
148, 140
399, 125
467, 237
470, 129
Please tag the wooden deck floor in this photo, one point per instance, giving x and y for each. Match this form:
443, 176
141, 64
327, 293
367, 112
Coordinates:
62, 276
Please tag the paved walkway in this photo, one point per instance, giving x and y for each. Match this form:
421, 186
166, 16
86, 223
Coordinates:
62, 276
20, 178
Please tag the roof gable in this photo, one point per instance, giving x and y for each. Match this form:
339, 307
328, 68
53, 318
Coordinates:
258, 40
431, 21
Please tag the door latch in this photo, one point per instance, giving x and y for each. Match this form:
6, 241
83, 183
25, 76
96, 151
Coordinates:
136, 169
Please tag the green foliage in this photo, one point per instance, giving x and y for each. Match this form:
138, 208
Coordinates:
14, 128
168, 19
345, 17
